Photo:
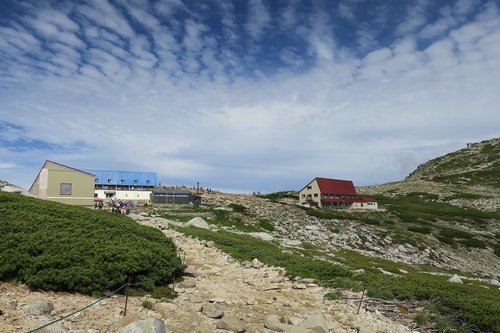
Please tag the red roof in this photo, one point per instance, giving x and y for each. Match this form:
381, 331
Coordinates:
336, 186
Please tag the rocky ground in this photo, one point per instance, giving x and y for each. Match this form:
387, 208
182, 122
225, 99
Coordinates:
294, 228
221, 293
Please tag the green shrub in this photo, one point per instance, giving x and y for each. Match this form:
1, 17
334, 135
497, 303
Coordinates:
473, 242
237, 208
379, 293
224, 219
421, 319
147, 304
454, 233
266, 224
333, 295
52, 246
421, 230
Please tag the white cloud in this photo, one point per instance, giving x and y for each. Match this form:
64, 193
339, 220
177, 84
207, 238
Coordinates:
179, 102
258, 19
415, 18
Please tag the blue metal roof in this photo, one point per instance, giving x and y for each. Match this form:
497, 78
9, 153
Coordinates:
126, 178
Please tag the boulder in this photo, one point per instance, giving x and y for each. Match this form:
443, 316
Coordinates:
273, 323
455, 279
290, 242
256, 263
190, 270
38, 307
212, 312
150, 325
261, 235
494, 282
198, 222
232, 324
315, 323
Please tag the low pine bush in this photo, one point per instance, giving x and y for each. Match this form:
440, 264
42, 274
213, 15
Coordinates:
53, 246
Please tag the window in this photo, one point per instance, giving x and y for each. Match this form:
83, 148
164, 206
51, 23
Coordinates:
309, 187
315, 195
303, 195
65, 189
109, 180
148, 181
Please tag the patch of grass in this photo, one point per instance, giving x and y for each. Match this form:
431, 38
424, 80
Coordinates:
163, 292
372, 218
421, 319
266, 224
379, 293
418, 207
280, 195
333, 295
223, 218
474, 243
421, 230
238, 208
147, 304
454, 233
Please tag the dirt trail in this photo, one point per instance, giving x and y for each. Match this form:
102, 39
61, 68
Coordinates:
252, 294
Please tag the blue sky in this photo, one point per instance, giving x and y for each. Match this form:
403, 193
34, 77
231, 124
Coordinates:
247, 95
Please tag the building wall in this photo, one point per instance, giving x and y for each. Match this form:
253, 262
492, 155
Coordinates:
125, 195
310, 192
364, 205
49, 180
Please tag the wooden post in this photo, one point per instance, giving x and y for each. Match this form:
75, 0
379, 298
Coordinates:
359, 306
126, 297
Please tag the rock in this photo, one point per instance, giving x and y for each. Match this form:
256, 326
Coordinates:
295, 321
198, 222
10, 304
38, 307
205, 328
212, 312
299, 286
455, 279
494, 282
232, 324
187, 283
150, 325
217, 300
289, 242
312, 227
359, 271
256, 263
315, 323
190, 270
273, 323
403, 271
261, 235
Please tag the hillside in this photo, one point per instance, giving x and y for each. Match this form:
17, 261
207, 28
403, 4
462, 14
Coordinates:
469, 177
478, 164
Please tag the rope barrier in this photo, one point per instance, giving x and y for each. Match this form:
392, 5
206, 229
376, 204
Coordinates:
75, 312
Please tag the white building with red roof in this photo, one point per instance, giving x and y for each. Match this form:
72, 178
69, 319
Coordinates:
334, 193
